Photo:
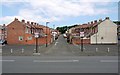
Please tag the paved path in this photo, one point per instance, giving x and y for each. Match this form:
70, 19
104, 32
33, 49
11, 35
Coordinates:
59, 48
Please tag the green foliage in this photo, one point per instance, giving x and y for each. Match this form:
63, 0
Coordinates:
117, 22
64, 28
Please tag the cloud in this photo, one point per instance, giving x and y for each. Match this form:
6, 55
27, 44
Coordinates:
68, 8
54, 10
8, 19
67, 0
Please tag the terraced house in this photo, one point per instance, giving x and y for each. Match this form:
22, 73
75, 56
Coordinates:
23, 33
3, 32
97, 32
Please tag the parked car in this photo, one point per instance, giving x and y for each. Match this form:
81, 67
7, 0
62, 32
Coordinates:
64, 35
2, 42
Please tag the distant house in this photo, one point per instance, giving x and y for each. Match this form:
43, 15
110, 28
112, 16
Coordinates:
55, 34
3, 32
22, 33
97, 32
118, 29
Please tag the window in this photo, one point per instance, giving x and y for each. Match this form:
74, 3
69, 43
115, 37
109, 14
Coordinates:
119, 29
27, 31
101, 37
20, 38
29, 38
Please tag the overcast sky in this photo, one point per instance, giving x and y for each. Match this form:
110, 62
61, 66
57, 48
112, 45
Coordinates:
58, 12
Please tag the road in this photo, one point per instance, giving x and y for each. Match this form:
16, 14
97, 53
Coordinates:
60, 48
83, 64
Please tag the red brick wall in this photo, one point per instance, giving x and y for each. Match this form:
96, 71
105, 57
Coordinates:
29, 42
78, 41
42, 40
14, 30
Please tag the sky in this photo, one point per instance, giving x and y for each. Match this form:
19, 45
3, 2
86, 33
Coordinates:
58, 12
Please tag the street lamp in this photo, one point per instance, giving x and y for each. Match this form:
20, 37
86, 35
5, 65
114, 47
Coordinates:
46, 33
54, 32
81, 36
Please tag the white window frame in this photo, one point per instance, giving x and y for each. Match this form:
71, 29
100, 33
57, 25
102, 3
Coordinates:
29, 38
20, 38
26, 30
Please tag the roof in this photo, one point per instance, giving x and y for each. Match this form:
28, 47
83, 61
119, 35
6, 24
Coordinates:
30, 24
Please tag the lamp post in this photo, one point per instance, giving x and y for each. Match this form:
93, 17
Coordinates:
82, 44
53, 32
36, 36
46, 33
81, 36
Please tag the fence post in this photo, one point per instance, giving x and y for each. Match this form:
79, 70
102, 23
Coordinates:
108, 50
96, 49
22, 50
11, 50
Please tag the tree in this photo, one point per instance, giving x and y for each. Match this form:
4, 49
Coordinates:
64, 28
117, 22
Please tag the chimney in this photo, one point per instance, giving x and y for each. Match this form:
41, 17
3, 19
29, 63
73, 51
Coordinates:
107, 18
88, 22
100, 20
16, 19
23, 21
84, 24
32, 23
95, 21
28, 22
91, 22
3, 25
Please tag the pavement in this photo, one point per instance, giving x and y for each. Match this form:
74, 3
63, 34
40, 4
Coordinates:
60, 47
59, 64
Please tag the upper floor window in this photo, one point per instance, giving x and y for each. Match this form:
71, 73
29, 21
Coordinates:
20, 38
26, 30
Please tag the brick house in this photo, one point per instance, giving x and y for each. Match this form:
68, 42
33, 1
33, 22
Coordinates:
3, 32
21, 33
55, 34
91, 29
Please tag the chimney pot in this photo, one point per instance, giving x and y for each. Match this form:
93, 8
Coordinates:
23, 21
15, 19
100, 20
88, 22
91, 22
3, 24
107, 18
28, 22
32, 23
95, 21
